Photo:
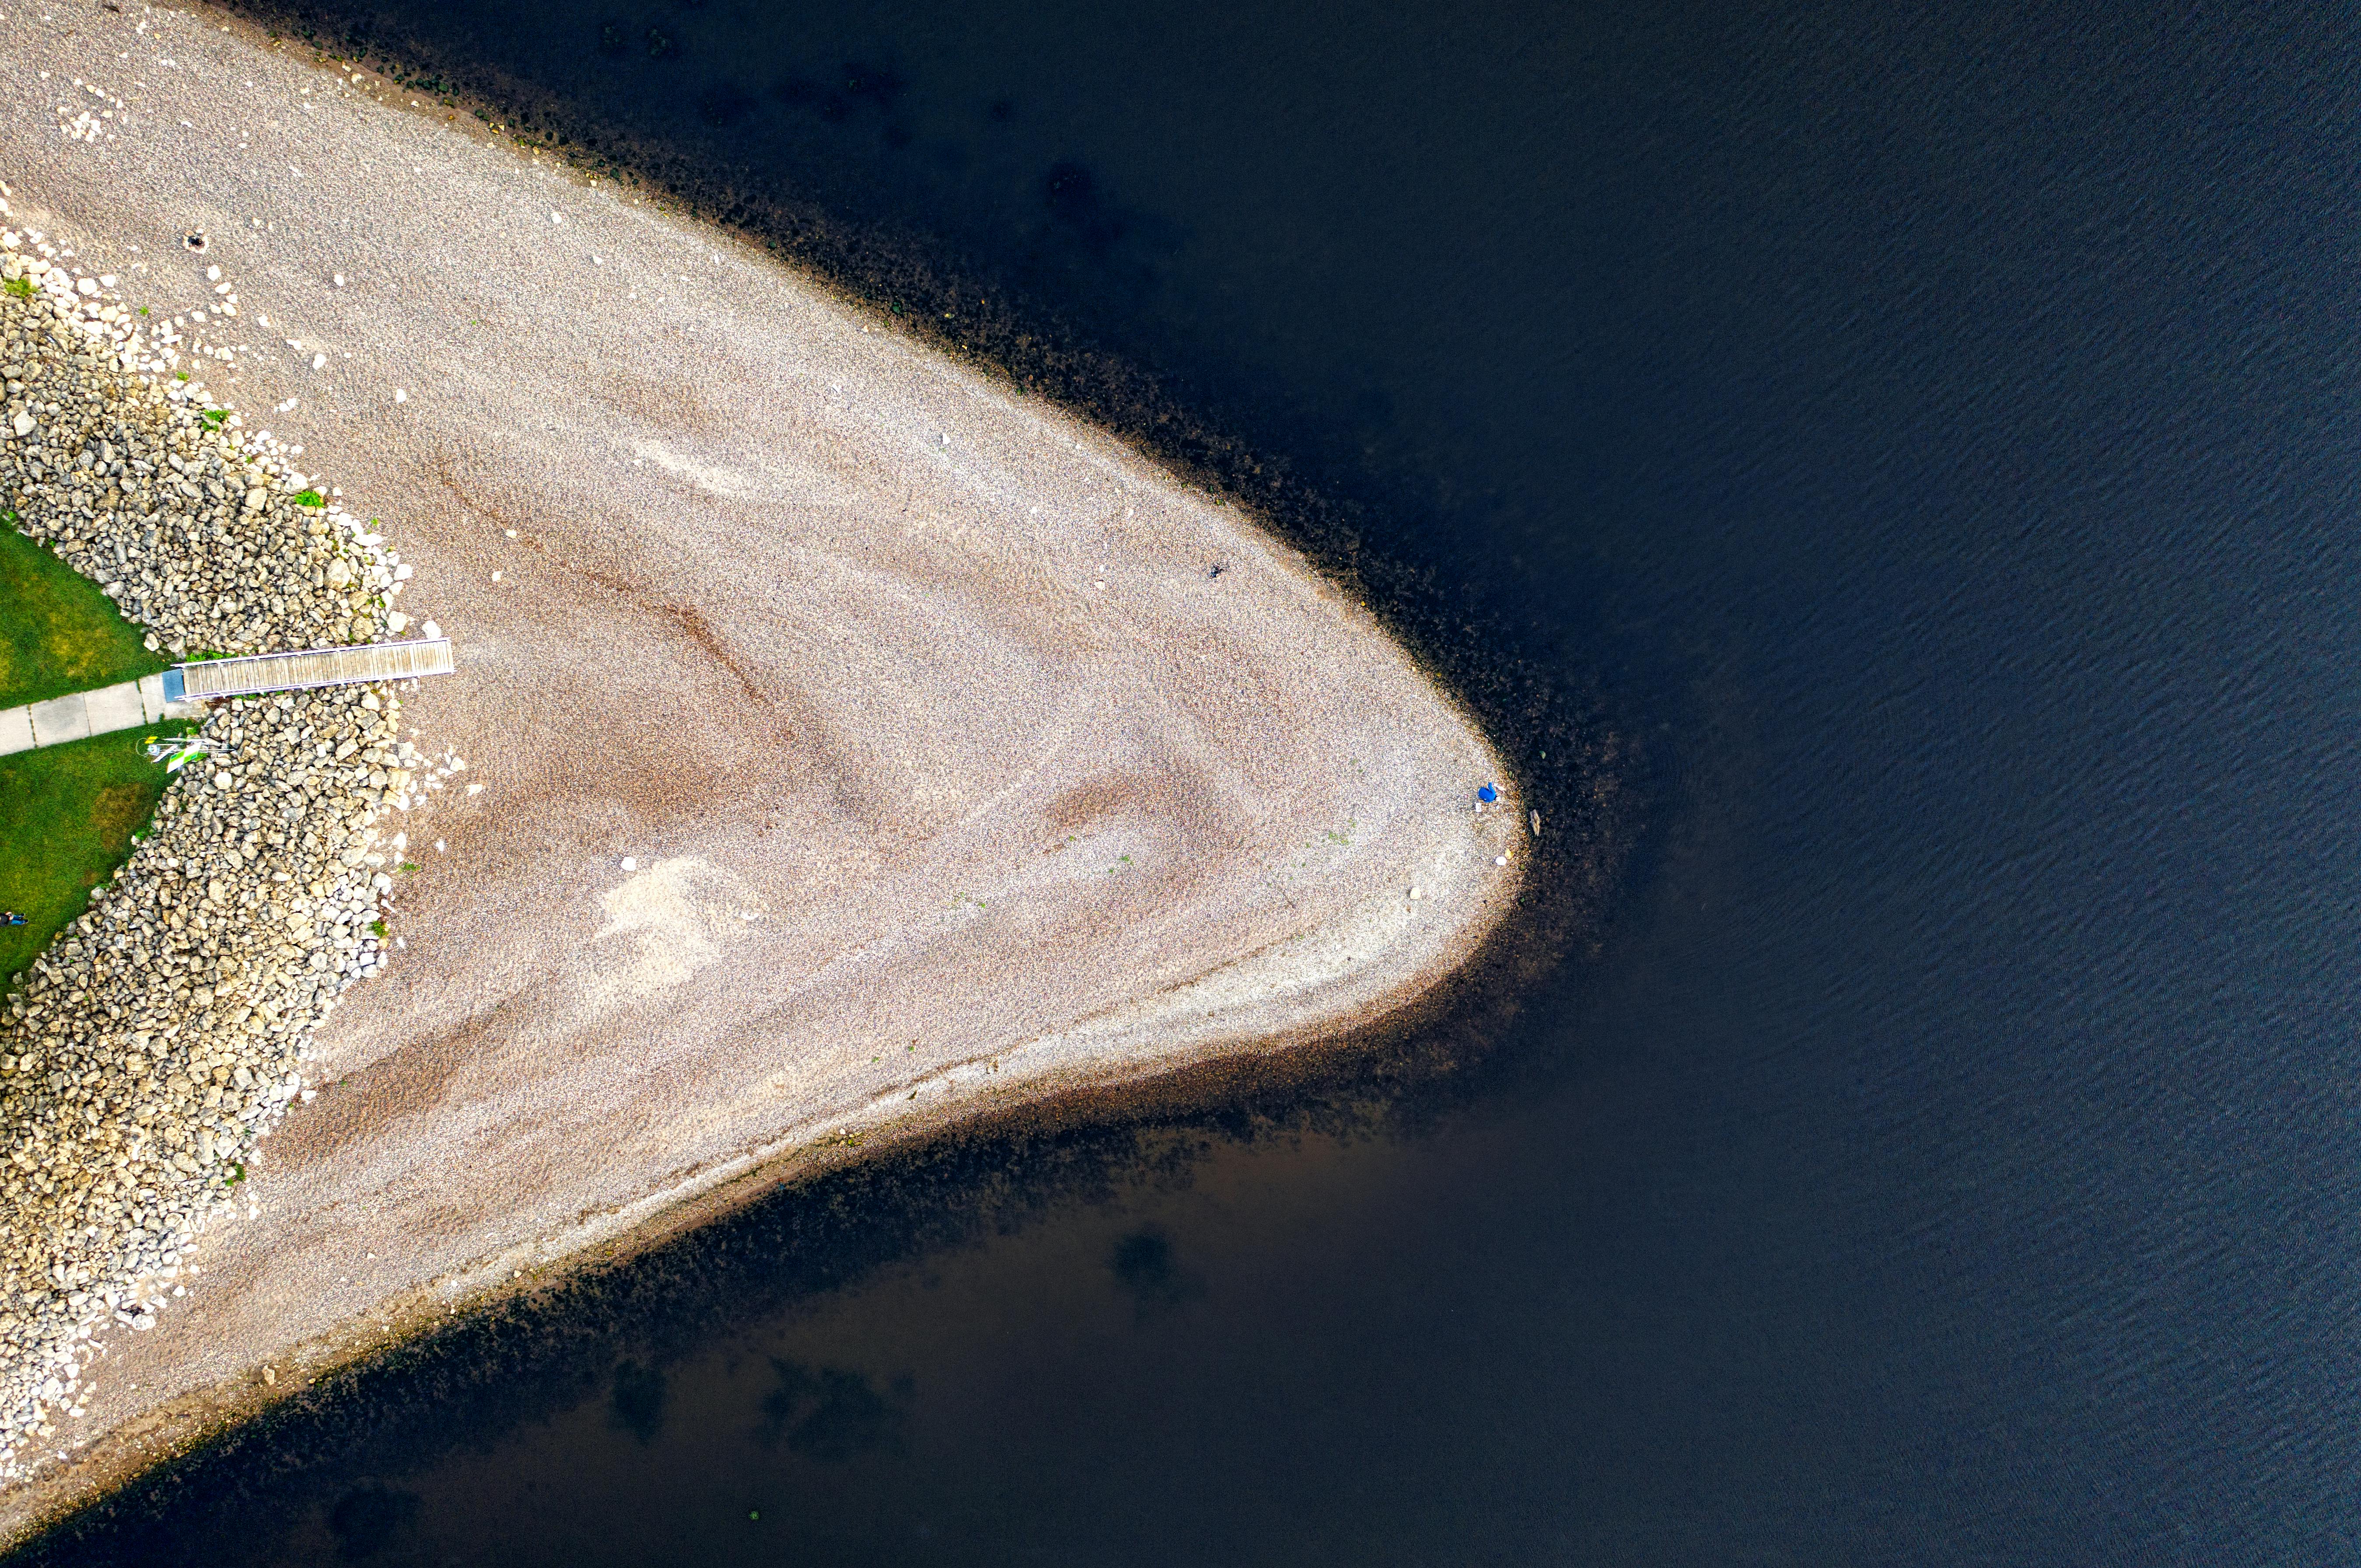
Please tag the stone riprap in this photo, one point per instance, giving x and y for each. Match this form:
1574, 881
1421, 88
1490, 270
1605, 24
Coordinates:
164, 1032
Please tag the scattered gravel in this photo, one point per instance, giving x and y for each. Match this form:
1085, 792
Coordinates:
164, 1032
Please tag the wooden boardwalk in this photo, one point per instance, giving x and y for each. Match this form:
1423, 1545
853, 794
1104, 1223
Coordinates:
369, 661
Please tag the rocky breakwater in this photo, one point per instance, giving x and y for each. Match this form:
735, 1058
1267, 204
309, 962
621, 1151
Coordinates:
165, 1031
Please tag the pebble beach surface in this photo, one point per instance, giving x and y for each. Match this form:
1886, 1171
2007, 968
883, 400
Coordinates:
857, 744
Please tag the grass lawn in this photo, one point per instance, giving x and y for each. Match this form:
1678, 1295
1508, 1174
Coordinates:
58, 632
67, 814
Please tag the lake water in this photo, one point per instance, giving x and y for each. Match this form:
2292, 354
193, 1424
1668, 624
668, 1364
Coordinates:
1933, 440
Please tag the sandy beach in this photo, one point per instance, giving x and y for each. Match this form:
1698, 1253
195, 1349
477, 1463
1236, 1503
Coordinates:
860, 739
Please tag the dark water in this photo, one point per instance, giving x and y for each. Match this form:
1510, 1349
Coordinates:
1936, 437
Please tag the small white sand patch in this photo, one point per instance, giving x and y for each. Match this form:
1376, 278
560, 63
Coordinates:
664, 924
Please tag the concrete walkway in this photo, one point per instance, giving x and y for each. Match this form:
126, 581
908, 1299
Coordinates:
85, 714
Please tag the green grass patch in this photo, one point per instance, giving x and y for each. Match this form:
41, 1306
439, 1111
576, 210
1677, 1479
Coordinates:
58, 632
68, 814
21, 287
67, 818
311, 498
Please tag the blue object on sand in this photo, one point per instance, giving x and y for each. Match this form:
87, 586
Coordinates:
1487, 795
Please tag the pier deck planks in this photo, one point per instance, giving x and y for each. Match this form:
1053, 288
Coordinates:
318, 667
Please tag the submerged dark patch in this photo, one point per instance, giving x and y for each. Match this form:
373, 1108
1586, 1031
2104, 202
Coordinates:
830, 1414
1145, 1270
637, 1403
372, 1520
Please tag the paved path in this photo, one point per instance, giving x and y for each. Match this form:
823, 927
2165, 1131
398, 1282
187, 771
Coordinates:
85, 714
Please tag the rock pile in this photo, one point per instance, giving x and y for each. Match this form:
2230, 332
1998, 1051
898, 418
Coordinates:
163, 1032
158, 497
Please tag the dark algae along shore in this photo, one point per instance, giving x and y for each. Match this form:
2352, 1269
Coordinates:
1928, 441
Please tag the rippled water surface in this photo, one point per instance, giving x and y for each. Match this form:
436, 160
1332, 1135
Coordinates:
1934, 440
